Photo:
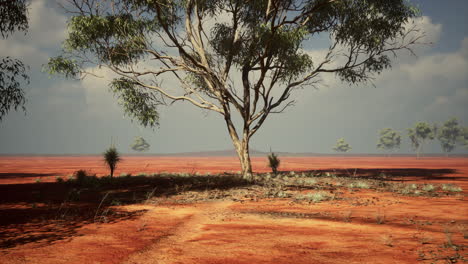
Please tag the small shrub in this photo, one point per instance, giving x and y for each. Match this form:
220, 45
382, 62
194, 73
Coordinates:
310, 181
111, 158
360, 184
428, 188
314, 197
80, 175
273, 162
59, 179
451, 188
38, 180
413, 186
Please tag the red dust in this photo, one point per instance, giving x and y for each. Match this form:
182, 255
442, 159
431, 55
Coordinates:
364, 227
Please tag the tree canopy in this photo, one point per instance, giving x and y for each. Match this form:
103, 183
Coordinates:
13, 17
233, 57
419, 134
140, 144
342, 146
389, 139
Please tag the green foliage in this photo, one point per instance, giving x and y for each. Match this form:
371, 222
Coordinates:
419, 134
342, 146
12, 75
315, 197
138, 103
140, 144
359, 184
449, 134
451, 187
273, 162
60, 65
428, 188
111, 158
389, 139
13, 17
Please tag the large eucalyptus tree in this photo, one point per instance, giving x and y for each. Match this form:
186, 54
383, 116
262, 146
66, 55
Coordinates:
233, 57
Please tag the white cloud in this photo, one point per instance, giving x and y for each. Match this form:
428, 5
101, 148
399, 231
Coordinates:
450, 66
46, 32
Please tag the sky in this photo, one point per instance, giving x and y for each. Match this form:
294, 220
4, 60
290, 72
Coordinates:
81, 117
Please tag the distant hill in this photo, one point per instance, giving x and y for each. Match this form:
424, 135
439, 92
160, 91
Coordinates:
253, 153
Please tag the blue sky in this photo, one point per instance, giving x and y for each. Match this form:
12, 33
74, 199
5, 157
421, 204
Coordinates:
81, 117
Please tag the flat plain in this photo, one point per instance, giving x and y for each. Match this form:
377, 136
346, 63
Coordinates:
198, 210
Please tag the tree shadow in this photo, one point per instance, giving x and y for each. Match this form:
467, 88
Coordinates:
52, 211
391, 174
7, 175
45, 225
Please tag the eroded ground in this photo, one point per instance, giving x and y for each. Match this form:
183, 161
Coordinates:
342, 210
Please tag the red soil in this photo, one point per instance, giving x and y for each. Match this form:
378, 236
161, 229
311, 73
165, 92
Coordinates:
265, 231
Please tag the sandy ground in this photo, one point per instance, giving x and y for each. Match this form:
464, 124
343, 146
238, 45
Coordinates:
369, 227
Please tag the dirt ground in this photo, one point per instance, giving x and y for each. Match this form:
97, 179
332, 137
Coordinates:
363, 226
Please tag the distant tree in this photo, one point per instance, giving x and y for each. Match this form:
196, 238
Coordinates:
419, 134
13, 17
463, 139
111, 158
140, 144
449, 135
273, 162
389, 139
342, 146
242, 59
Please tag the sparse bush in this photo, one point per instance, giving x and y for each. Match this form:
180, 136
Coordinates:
359, 184
451, 187
59, 179
111, 158
314, 197
80, 175
428, 188
310, 181
273, 162
38, 180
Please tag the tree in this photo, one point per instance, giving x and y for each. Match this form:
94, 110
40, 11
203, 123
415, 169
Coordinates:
111, 158
463, 139
389, 139
341, 146
13, 17
233, 57
418, 135
449, 135
140, 144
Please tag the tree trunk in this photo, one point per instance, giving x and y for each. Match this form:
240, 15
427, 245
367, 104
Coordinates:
243, 153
